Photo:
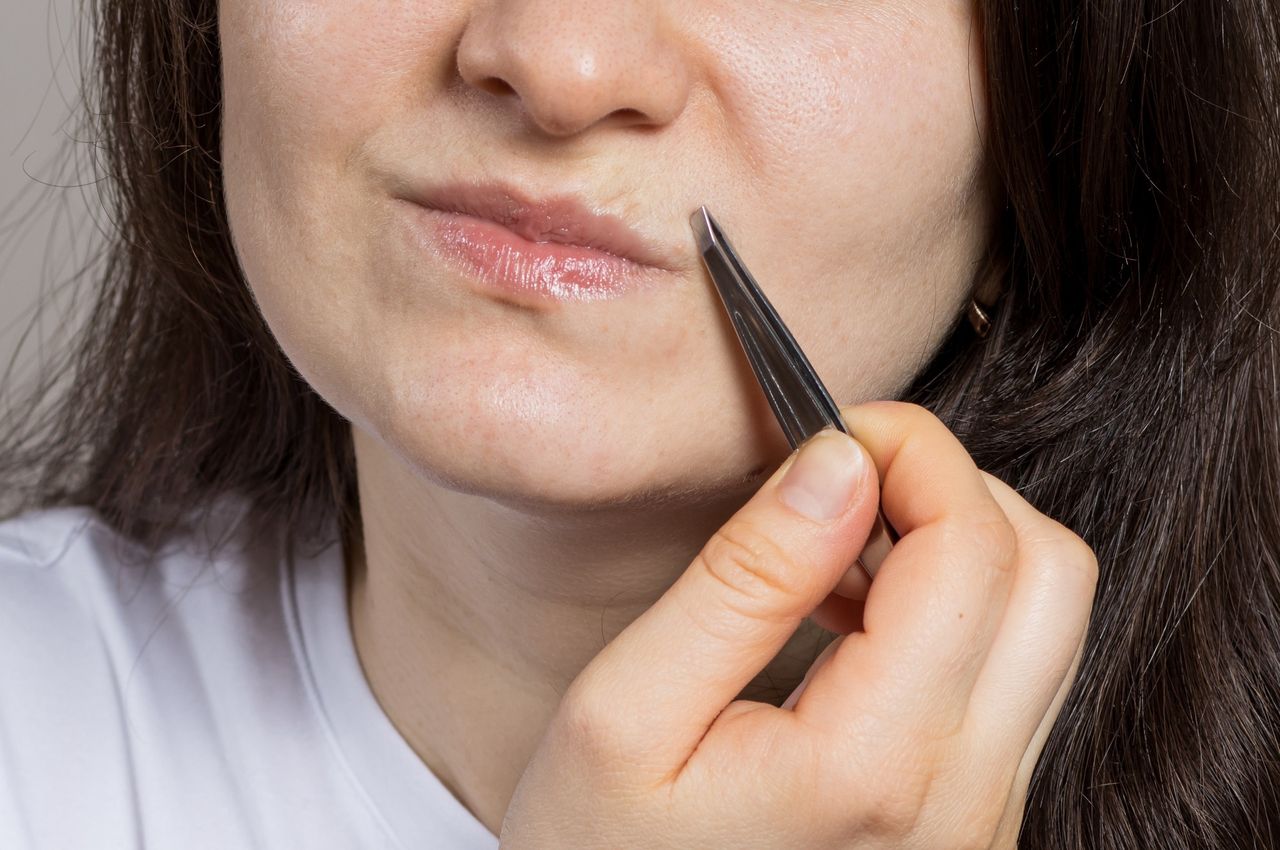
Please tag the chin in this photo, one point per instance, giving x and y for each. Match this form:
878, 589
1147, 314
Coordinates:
546, 477
521, 466
544, 437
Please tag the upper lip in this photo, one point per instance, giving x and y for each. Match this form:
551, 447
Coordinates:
551, 218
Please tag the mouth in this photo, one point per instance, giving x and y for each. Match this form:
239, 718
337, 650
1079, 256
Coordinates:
562, 219
554, 247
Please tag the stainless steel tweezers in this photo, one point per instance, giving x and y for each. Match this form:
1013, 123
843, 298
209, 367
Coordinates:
796, 394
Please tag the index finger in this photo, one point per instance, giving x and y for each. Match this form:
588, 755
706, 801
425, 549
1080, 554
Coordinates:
925, 471
935, 605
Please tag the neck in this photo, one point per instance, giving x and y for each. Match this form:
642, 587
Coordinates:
471, 617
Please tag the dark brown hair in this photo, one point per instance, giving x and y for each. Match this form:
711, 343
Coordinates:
1128, 388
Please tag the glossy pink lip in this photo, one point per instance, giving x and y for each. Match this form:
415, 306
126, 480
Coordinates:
552, 248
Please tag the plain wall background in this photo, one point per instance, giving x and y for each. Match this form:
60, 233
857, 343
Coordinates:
46, 234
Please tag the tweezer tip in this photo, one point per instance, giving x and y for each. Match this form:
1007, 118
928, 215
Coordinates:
701, 223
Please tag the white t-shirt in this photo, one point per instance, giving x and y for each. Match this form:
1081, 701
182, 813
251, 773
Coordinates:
196, 703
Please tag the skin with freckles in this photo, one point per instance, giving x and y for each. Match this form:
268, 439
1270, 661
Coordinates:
533, 478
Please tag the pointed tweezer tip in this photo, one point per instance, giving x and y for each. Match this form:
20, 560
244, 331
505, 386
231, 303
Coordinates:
701, 222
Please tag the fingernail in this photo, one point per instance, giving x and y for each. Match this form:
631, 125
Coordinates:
821, 481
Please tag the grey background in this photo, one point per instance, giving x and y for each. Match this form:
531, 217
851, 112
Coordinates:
46, 233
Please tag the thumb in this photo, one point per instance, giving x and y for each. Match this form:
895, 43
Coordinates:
674, 669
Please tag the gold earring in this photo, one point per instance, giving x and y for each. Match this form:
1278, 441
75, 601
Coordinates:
991, 290
979, 318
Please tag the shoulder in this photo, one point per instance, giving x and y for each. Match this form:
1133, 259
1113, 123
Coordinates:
88, 622
79, 603
42, 554
110, 663
64, 571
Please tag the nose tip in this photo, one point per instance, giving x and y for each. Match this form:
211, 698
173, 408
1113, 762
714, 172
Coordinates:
573, 64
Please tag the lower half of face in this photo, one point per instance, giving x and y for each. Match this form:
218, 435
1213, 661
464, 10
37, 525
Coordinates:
837, 144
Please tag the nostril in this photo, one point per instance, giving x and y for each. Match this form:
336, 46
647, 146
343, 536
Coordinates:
628, 115
495, 85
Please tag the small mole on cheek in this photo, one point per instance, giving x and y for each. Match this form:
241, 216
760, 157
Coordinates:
961, 615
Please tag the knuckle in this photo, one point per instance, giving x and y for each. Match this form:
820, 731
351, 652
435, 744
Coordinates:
1083, 556
923, 424
990, 534
916, 414
896, 811
921, 416
893, 787
591, 727
908, 416
1072, 552
752, 567
1083, 563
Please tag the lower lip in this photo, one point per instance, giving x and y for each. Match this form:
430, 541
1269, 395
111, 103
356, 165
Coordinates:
501, 260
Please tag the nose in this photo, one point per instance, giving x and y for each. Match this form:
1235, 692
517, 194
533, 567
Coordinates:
571, 64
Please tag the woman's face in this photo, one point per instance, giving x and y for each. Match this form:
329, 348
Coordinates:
836, 142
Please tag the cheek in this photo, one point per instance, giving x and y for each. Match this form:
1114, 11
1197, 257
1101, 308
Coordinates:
862, 129
303, 68
305, 84
838, 106
874, 92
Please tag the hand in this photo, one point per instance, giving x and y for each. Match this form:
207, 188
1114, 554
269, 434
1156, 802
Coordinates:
918, 731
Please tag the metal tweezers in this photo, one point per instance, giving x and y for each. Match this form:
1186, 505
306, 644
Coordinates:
796, 394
